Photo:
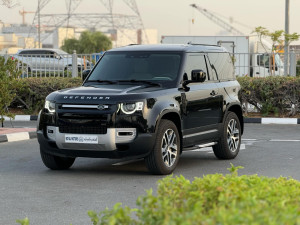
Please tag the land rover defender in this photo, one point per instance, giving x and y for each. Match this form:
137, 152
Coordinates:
146, 101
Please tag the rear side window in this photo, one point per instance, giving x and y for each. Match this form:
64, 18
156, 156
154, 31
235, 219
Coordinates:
30, 53
221, 65
25, 53
37, 53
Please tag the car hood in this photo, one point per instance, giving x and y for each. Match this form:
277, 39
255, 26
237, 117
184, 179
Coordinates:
99, 93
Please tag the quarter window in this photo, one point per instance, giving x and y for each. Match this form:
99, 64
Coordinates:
221, 64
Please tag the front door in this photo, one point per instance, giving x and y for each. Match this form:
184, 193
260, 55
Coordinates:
202, 104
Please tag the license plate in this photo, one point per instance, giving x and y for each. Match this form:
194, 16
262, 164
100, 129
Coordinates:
82, 139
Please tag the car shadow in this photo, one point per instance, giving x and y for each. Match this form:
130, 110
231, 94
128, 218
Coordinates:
188, 161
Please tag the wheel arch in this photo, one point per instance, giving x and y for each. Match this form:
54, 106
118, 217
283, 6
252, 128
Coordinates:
237, 109
174, 117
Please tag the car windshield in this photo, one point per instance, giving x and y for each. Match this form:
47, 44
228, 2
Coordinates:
151, 66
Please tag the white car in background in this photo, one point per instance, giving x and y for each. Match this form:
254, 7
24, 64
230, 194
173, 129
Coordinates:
48, 60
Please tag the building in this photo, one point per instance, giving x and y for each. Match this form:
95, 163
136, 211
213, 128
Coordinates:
62, 33
14, 37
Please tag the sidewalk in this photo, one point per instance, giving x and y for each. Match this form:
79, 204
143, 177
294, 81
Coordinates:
16, 134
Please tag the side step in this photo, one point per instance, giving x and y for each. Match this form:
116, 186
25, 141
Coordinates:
200, 146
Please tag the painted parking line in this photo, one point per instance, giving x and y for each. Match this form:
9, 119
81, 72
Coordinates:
282, 140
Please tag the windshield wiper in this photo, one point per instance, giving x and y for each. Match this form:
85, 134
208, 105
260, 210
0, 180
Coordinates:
141, 81
102, 81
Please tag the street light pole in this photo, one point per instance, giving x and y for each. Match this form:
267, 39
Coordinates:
39, 23
287, 31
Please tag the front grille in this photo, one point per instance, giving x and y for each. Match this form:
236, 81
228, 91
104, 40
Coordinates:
86, 124
83, 130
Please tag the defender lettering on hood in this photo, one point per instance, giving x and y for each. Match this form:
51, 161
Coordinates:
87, 97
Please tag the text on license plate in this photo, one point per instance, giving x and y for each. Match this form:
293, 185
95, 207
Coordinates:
84, 139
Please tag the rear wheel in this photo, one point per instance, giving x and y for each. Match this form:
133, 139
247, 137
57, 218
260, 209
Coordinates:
165, 154
56, 162
230, 141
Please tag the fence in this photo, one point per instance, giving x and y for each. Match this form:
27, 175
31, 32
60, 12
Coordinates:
63, 65
265, 64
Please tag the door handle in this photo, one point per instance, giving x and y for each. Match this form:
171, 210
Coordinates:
213, 93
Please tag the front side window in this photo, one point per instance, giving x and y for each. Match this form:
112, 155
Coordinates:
195, 61
151, 66
264, 60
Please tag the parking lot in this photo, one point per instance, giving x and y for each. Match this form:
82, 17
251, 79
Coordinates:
29, 189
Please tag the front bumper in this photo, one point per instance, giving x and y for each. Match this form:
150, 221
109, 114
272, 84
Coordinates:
116, 143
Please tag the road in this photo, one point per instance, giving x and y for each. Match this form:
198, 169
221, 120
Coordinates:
17, 124
28, 188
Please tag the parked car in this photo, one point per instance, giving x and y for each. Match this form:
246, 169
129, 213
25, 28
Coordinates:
149, 102
48, 60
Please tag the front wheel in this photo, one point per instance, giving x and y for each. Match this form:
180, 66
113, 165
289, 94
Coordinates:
229, 143
165, 154
56, 162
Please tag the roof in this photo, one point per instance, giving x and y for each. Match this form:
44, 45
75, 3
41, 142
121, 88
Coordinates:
172, 47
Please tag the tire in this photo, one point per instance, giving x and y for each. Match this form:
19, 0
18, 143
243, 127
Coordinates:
229, 143
165, 154
56, 162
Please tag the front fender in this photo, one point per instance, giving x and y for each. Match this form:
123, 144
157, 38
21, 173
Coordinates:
155, 112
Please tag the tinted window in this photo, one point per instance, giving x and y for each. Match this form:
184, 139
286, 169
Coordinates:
138, 66
25, 53
195, 61
38, 53
222, 65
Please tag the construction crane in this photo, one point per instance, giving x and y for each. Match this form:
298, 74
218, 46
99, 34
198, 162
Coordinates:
23, 13
217, 20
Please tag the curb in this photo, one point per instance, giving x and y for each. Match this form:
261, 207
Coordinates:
267, 120
20, 136
22, 118
270, 120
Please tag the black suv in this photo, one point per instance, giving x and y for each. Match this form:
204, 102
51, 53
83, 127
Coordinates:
151, 102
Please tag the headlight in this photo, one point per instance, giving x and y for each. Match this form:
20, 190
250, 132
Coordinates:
50, 106
129, 108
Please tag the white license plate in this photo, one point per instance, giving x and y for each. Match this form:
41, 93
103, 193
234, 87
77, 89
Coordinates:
82, 139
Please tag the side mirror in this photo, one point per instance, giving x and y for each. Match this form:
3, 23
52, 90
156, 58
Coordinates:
198, 76
85, 73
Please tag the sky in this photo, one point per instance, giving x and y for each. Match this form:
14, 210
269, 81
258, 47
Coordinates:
174, 17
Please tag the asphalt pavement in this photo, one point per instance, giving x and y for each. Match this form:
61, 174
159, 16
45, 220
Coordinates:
20, 124
28, 188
